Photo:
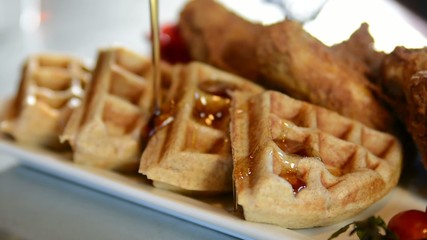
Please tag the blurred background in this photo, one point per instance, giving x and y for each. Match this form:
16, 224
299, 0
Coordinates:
416, 6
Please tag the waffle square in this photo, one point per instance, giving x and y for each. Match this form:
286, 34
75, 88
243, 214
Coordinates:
298, 165
51, 87
108, 129
190, 149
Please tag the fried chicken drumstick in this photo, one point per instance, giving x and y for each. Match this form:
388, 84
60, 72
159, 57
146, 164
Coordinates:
403, 83
282, 56
358, 52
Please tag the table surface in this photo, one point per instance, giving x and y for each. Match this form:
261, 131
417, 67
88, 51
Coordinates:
34, 205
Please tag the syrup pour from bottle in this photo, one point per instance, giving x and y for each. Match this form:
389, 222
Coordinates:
155, 58
162, 114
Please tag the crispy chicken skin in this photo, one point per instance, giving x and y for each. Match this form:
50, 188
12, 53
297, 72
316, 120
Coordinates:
397, 69
416, 121
404, 86
359, 53
282, 56
219, 37
303, 67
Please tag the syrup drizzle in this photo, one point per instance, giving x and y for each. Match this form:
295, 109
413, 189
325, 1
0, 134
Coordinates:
289, 158
296, 148
211, 110
161, 117
154, 16
291, 175
162, 114
212, 103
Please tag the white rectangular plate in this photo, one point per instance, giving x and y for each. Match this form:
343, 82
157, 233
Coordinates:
214, 213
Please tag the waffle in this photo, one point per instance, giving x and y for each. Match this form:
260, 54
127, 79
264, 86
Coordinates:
298, 165
190, 149
51, 86
108, 130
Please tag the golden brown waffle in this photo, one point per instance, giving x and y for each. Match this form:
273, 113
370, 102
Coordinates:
190, 149
298, 165
107, 131
51, 86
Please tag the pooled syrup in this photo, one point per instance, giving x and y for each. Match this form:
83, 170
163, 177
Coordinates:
289, 161
211, 110
212, 103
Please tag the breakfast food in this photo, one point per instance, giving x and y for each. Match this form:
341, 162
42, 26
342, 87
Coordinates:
189, 150
108, 129
311, 73
282, 56
292, 163
51, 87
298, 165
403, 84
219, 37
358, 52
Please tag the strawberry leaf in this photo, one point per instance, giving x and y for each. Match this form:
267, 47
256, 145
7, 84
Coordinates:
368, 229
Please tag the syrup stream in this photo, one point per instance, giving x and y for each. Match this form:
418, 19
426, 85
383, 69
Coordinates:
154, 17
